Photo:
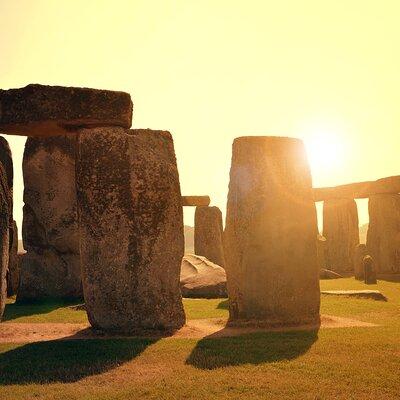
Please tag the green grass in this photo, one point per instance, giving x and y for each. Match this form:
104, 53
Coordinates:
343, 363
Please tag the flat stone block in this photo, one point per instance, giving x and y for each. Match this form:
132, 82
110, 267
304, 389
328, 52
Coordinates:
365, 294
38, 110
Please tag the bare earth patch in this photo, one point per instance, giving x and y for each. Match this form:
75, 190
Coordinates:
12, 332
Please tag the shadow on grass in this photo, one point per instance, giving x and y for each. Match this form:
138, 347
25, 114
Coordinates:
18, 310
67, 360
256, 348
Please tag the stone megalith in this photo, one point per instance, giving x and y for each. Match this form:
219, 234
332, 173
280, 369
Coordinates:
383, 236
131, 229
369, 270
340, 227
270, 234
4, 236
7, 163
39, 110
51, 265
208, 234
13, 262
360, 252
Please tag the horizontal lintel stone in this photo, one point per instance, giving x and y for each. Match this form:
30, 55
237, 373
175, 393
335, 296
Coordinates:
39, 110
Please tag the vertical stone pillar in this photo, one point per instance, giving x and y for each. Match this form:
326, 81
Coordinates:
208, 234
131, 229
13, 262
270, 234
360, 252
4, 236
340, 227
51, 265
383, 236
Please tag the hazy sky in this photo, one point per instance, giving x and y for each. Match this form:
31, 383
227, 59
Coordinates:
209, 71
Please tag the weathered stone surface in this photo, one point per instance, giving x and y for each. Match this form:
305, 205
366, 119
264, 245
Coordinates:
131, 229
200, 278
369, 270
13, 262
360, 252
7, 163
321, 248
4, 237
340, 228
359, 190
38, 110
208, 234
195, 201
270, 234
51, 266
383, 236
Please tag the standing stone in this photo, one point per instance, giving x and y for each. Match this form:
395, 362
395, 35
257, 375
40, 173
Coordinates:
208, 234
270, 234
4, 236
51, 266
131, 229
341, 230
359, 253
369, 271
7, 163
383, 236
13, 262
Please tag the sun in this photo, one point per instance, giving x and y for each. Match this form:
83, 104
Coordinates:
325, 150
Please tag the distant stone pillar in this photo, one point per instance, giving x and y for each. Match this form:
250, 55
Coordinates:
360, 252
340, 227
369, 270
131, 229
208, 234
270, 234
51, 265
383, 236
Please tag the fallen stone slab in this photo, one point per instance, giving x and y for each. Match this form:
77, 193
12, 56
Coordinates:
201, 278
195, 201
38, 110
364, 294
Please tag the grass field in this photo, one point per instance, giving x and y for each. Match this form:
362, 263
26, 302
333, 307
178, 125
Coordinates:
343, 363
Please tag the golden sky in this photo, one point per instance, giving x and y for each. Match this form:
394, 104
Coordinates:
211, 70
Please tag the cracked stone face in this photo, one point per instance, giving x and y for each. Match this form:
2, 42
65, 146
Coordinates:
131, 229
51, 266
4, 236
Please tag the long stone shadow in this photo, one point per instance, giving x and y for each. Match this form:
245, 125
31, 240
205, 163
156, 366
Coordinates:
254, 348
67, 360
16, 310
